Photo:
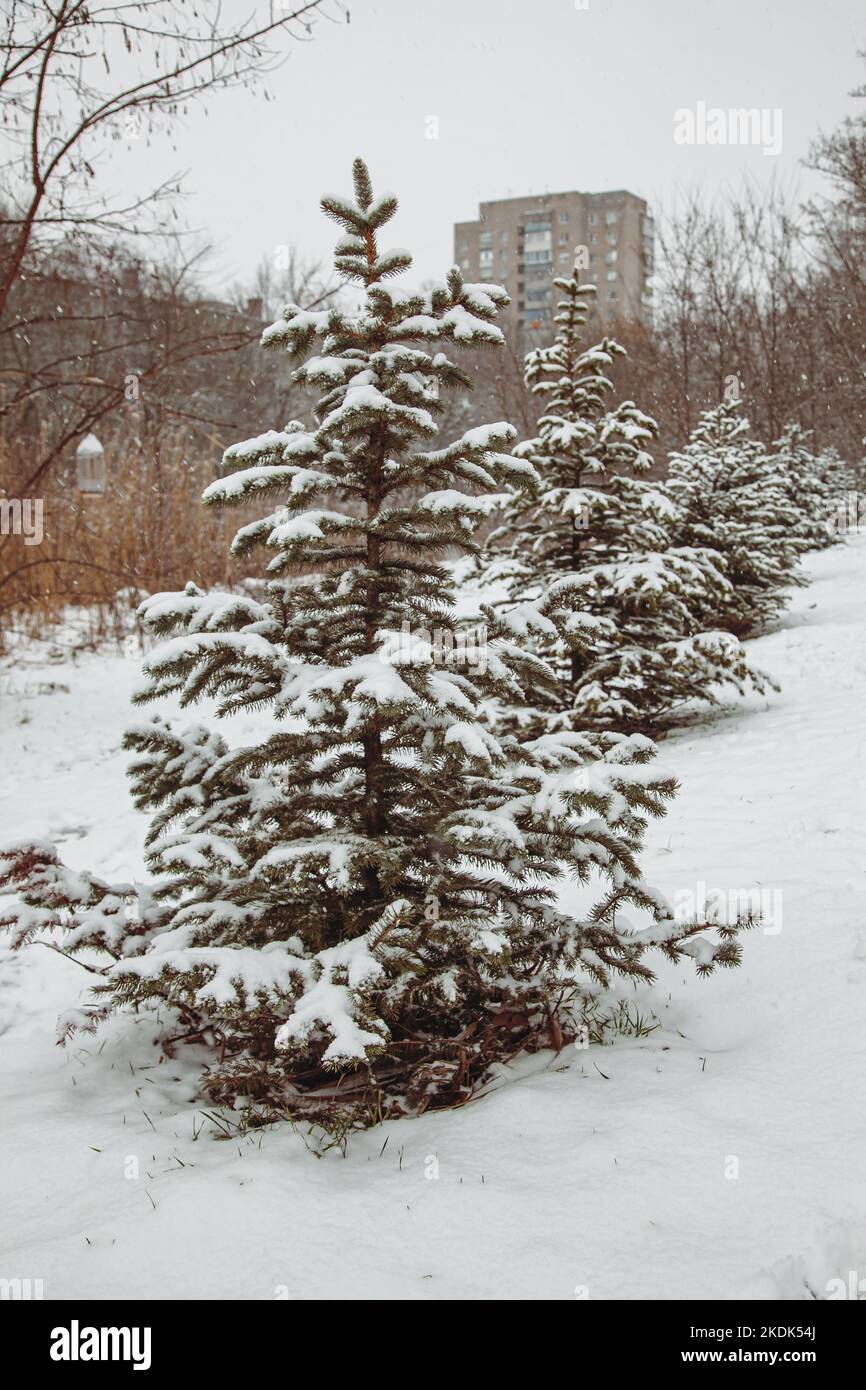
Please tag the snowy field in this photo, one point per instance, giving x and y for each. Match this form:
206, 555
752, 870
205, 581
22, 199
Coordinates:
718, 1157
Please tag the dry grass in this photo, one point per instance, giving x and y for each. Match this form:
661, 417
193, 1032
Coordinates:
148, 531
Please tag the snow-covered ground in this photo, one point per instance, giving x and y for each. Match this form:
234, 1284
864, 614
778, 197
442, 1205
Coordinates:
718, 1157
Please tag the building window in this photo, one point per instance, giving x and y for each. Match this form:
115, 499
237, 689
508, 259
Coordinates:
537, 236
611, 217
593, 219
485, 239
611, 275
593, 240
611, 257
503, 237
563, 258
563, 238
563, 217
485, 257
464, 265
612, 294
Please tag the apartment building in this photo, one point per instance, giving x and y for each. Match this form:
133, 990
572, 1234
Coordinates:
522, 243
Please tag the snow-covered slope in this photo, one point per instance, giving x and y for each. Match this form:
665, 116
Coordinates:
720, 1156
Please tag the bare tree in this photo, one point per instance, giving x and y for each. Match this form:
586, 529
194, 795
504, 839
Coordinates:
734, 321
837, 242
169, 377
84, 324
75, 74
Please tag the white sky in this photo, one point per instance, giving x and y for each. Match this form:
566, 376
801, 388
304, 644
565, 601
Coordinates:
529, 94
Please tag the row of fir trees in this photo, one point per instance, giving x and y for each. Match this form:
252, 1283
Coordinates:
362, 913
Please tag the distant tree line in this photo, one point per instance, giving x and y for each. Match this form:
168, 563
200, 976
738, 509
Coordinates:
760, 300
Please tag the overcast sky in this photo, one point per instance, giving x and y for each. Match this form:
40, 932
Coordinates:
529, 96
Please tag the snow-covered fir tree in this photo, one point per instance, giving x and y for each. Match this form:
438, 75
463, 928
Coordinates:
590, 534
730, 493
361, 909
845, 486
806, 488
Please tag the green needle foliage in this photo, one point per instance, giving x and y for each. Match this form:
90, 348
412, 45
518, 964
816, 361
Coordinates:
363, 909
732, 494
590, 532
